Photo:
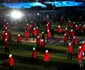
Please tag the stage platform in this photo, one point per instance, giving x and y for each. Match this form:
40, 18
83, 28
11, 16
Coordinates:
43, 5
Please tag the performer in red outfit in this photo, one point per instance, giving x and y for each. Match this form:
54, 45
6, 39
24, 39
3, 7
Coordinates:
72, 34
6, 45
75, 43
8, 25
42, 46
59, 30
38, 40
83, 45
65, 40
34, 33
43, 36
70, 50
26, 35
47, 27
66, 31
10, 62
80, 48
34, 55
46, 58
48, 36
28, 27
76, 29
80, 59
6, 36
37, 30
69, 24
19, 39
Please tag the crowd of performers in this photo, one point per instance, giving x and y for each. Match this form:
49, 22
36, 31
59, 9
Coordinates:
49, 34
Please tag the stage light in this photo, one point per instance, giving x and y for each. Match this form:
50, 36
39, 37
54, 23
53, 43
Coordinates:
16, 14
38, 14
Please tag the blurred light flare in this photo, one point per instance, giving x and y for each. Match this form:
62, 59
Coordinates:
16, 14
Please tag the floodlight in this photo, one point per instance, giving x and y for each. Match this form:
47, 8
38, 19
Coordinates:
38, 14
16, 14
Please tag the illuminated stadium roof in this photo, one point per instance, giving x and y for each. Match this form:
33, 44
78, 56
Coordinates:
24, 5
65, 3
34, 4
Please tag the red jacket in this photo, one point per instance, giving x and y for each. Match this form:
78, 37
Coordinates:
42, 44
50, 23
6, 37
38, 41
67, 32
80, 50
70, 49
75, 41
19, 39
26, 34
11, 61
48, 27
65, 38
49, 34
6, 30
28, 27
72, 34
83, 47
59, 30
46, 57
37, 30
34, 54
6, 43
76, 28
70, 24
34, 32
8, 26
80, 56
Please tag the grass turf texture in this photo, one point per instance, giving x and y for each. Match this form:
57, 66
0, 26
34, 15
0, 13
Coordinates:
23, 55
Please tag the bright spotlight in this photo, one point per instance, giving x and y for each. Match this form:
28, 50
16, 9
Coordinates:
38, 14
16, 14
